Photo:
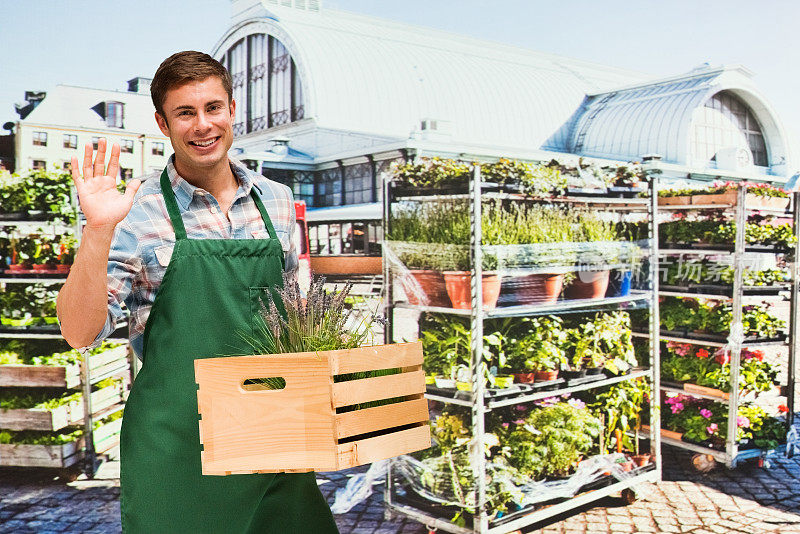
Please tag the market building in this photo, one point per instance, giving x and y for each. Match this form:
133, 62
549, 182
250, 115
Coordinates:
55, 126
328, 99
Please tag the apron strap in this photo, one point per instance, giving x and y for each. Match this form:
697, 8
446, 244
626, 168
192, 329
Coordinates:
177, 220
172, 206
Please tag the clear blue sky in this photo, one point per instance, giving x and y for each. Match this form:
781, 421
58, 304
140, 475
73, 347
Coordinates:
103, 43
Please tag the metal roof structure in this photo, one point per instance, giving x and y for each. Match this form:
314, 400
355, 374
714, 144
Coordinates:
370, 84
374, 76
656, 117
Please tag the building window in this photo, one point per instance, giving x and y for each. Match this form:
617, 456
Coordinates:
127, 146
158, 149
329, 188
358, 183
303, 187
39, 165
125, 174
67, 166
115, 114
39, 138
95, 142
265, 84
70, 141
726, 122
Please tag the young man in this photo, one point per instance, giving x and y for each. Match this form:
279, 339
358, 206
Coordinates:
185, 254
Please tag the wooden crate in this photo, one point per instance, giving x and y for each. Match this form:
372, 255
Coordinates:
19, 455
62, 376
66, 415
252, 430
751, 201
674, 201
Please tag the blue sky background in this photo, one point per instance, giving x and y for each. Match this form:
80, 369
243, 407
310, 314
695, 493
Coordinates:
103, 43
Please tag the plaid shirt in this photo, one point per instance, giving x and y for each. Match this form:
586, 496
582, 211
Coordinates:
143, 241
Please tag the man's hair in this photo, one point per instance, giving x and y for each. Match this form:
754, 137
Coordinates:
183, 67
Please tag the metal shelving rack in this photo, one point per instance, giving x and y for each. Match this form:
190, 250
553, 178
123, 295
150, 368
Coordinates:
87, 378
480, 403
736, 341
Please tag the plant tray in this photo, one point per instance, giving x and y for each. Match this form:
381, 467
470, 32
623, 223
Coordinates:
770, 249
60, 376
23, 455
62, 416
246, 429
58, 456
730, 198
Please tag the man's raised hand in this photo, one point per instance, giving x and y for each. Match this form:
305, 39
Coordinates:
102, 204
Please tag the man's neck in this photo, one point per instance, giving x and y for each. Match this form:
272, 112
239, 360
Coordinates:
219, 181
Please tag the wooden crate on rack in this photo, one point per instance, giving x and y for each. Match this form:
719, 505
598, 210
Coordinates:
62, 376
62, 416
730, 198
249, 429
23, 455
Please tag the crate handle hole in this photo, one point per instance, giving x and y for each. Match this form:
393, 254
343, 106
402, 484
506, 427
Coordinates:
264, 384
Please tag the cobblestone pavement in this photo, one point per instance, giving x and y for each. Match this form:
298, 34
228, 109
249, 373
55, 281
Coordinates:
748, 499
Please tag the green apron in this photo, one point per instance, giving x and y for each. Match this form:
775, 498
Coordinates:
207, 297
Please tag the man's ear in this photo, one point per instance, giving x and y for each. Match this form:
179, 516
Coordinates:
162, 124
233, 108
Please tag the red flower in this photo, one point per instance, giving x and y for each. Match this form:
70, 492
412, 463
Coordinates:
722, 357
783, 408
702, 353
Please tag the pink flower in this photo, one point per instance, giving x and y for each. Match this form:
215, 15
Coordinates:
712, 429
706, 413
743, 421
519, 422
677, 407
577, 403
505, 425
520, 407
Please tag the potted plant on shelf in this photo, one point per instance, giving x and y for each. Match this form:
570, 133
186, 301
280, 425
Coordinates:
66, 253
537, 353
551, 440
601, 250
14, 197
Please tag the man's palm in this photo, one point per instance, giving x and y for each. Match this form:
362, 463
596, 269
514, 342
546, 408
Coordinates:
101, 202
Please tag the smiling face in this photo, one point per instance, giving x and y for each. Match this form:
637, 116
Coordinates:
198, 118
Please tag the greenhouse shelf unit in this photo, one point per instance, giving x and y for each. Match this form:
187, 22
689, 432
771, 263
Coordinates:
480, 400
51, 407
732, 346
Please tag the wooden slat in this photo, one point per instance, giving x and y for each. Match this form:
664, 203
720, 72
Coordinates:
377, 388
39, 455
381, 417
58, 418
388, 446
694, 388
249, 431
38, 376
377, 357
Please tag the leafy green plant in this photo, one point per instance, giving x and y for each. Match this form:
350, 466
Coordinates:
540, 347
620, 407
605, 341
552, 440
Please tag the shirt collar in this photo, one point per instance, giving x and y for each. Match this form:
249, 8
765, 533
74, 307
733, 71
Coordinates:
185, 192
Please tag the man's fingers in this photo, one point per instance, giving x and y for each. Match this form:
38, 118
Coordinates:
100, 159
113, 164
87, 161
130, 190
76, 175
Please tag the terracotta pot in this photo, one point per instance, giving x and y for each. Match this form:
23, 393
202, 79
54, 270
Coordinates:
41, 267
539, 288
641, 460
433, 288
61, 268
16, 267
546, 376
626, 466
524, 378
589, 285
458, 289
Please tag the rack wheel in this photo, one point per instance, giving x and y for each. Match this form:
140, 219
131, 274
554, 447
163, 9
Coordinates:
69, 474
629, 496
703, 462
